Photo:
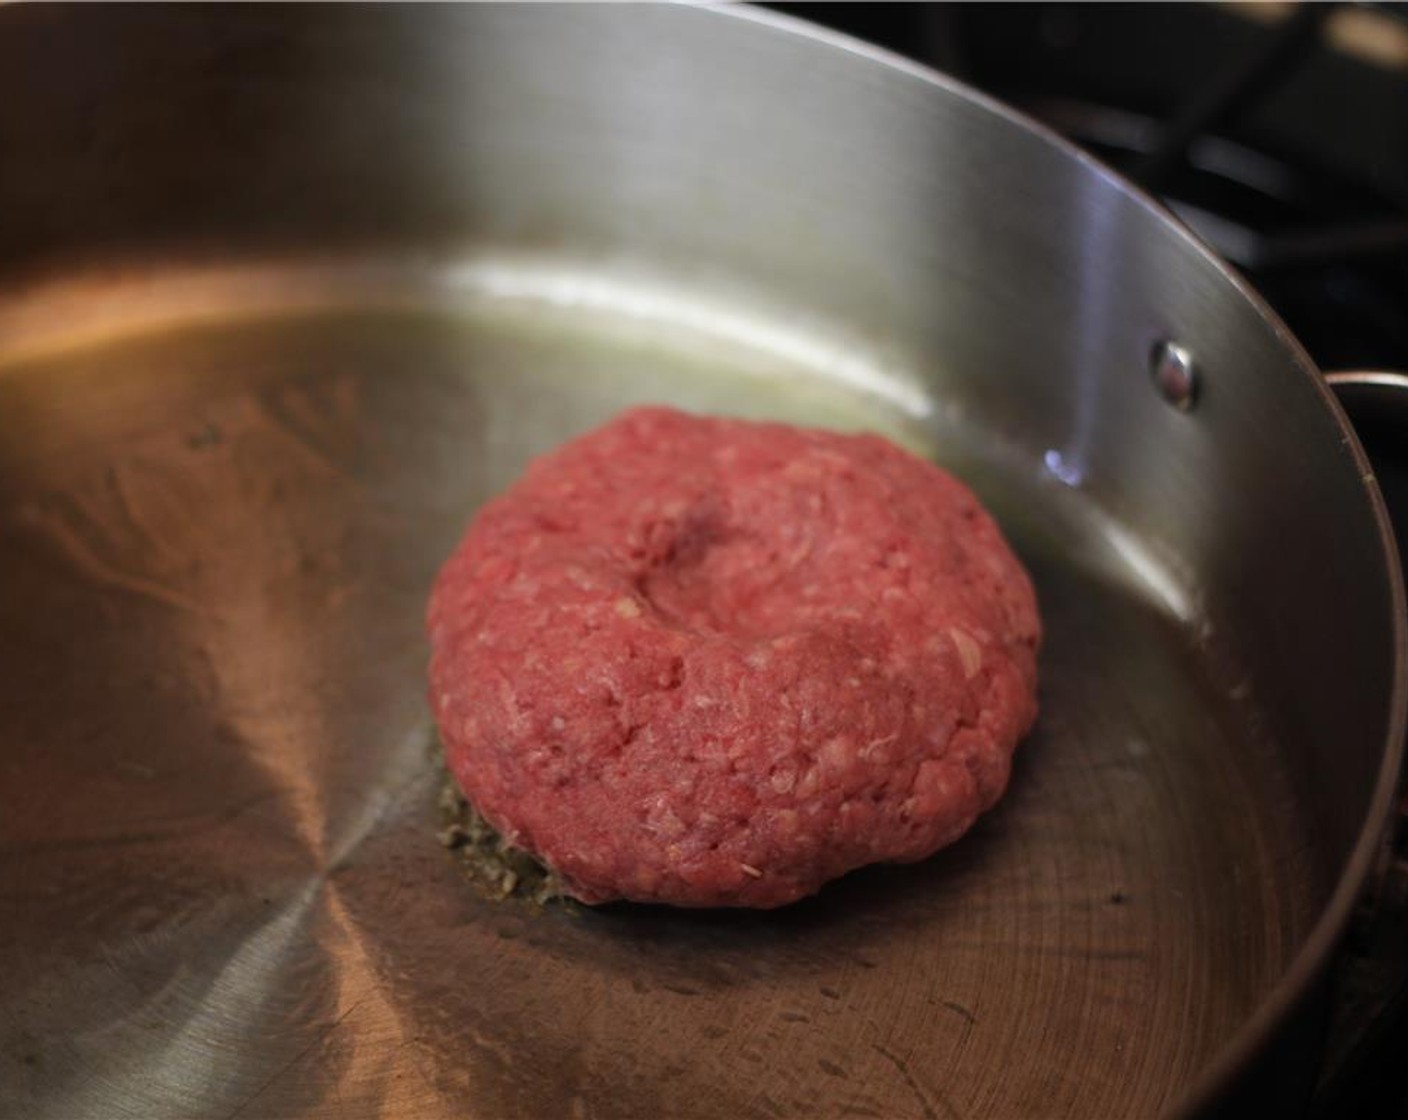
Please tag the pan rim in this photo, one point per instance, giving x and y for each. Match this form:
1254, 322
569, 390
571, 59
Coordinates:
1313, 956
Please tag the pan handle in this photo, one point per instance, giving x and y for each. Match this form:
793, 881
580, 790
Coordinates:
1376, 402
1373, 976
1376, 395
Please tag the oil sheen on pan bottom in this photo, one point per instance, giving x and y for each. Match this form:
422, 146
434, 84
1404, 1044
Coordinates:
221, 508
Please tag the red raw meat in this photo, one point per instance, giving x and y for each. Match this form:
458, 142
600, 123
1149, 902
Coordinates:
712, 662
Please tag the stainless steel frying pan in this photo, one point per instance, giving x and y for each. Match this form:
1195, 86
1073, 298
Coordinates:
286, 292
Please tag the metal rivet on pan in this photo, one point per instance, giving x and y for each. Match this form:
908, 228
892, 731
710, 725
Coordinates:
1174, 374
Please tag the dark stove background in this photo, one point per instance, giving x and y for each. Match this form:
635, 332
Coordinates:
1279, 134
1298, 174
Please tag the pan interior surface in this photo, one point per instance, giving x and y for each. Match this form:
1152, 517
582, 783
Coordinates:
219, 522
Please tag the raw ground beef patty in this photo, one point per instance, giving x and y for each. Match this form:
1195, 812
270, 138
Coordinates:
718, 663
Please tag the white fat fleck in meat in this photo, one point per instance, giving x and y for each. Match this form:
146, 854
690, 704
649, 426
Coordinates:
627, 607
875, 750
970, 654
663, 820
807, 787
836, 754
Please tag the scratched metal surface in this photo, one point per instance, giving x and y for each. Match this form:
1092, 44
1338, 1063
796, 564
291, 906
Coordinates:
285, 292
225, 895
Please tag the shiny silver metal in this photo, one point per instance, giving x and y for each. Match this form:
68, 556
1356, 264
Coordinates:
285, 292
1175, 374
1381, 391
1376, 400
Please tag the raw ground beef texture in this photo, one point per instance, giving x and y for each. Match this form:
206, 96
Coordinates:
714, 662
